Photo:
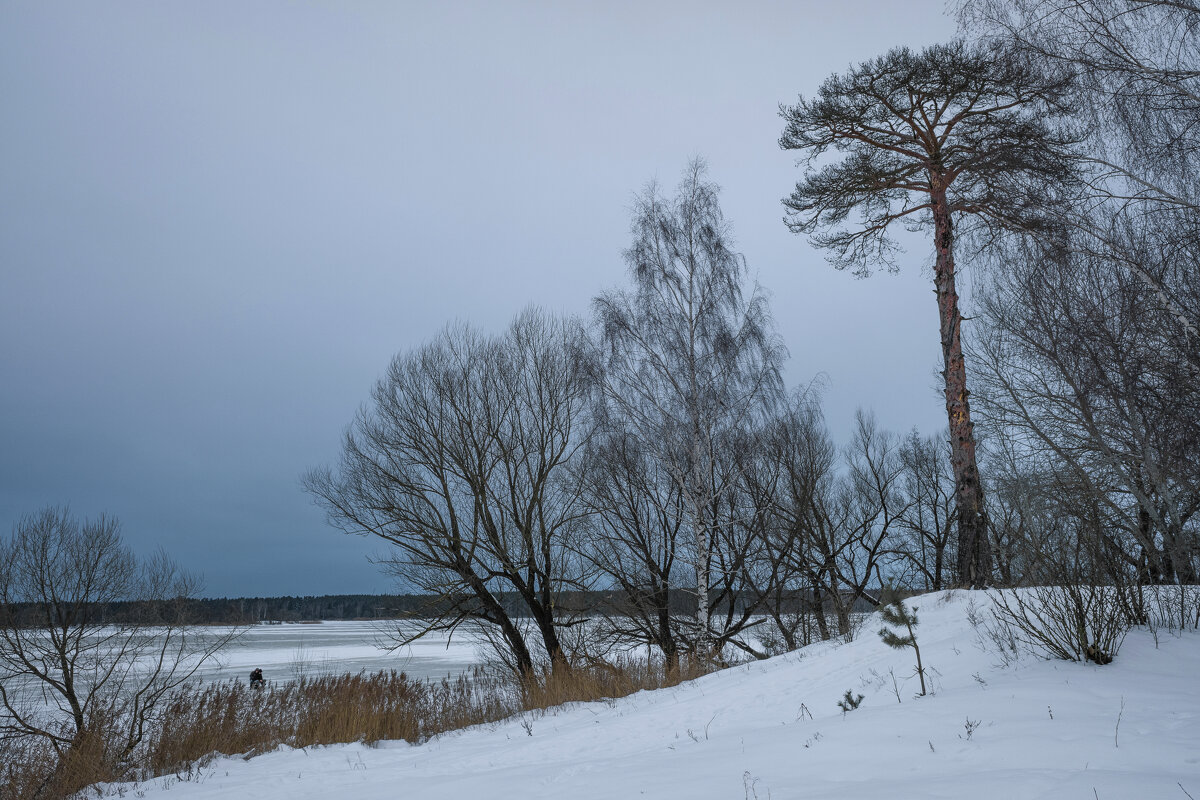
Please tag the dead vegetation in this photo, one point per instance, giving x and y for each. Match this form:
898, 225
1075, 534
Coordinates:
200, 722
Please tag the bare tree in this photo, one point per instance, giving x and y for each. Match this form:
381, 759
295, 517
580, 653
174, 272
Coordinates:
1091, 350
834, 522
926, 526
1137, 79
689, 358
1088, 389
91, 638
791, 480
933, 138
739, 582
1137, 90
462, 464
634, 538
874, 506
1026, 524
792, 460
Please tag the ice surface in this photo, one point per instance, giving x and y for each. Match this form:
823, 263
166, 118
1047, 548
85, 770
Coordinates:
284, 651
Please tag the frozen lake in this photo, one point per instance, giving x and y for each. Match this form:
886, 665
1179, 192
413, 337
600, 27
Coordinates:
286, 651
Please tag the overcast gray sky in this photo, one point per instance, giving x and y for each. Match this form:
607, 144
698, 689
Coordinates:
219, 221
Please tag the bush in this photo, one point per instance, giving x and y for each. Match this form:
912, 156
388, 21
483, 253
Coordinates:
1073, 622
1171, 608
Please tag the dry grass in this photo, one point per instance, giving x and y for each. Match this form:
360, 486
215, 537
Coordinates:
201, 722
602, 680
31, 769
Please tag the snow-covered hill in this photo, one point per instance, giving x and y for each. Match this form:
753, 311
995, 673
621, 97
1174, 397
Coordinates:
772, 729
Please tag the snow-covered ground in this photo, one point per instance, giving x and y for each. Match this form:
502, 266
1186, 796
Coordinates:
772, 729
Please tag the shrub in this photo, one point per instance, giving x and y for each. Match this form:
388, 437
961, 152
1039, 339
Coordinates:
1073, 622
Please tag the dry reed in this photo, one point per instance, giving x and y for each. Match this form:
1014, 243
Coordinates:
203, 721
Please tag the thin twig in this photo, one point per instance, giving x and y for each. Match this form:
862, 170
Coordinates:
1117, 729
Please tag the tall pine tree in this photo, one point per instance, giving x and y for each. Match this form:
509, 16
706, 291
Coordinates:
954, 132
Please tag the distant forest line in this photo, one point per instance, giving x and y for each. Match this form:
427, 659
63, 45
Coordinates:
313, 608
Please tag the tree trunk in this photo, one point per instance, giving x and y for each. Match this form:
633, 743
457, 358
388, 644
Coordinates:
544, 619
670, 658
703, 613
512, 635
819, 610
666, 637
701, 502
974, 551
524, 661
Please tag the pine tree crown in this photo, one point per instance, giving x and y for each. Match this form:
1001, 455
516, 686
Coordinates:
895, 613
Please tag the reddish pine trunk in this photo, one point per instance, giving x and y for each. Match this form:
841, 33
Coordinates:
974, 551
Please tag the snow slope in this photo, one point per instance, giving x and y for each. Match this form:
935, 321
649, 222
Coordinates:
1046, 730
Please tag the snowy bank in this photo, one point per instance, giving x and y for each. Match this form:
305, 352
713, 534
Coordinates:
772, 729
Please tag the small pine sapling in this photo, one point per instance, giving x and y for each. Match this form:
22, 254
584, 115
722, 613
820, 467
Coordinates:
849, 702
895, 614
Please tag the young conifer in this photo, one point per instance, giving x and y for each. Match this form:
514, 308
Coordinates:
896, 614
849, 702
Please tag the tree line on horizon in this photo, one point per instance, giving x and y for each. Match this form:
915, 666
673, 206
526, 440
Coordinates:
242, 611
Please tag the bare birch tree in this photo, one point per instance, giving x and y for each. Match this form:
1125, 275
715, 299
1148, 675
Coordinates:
1137, 89
688, 356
